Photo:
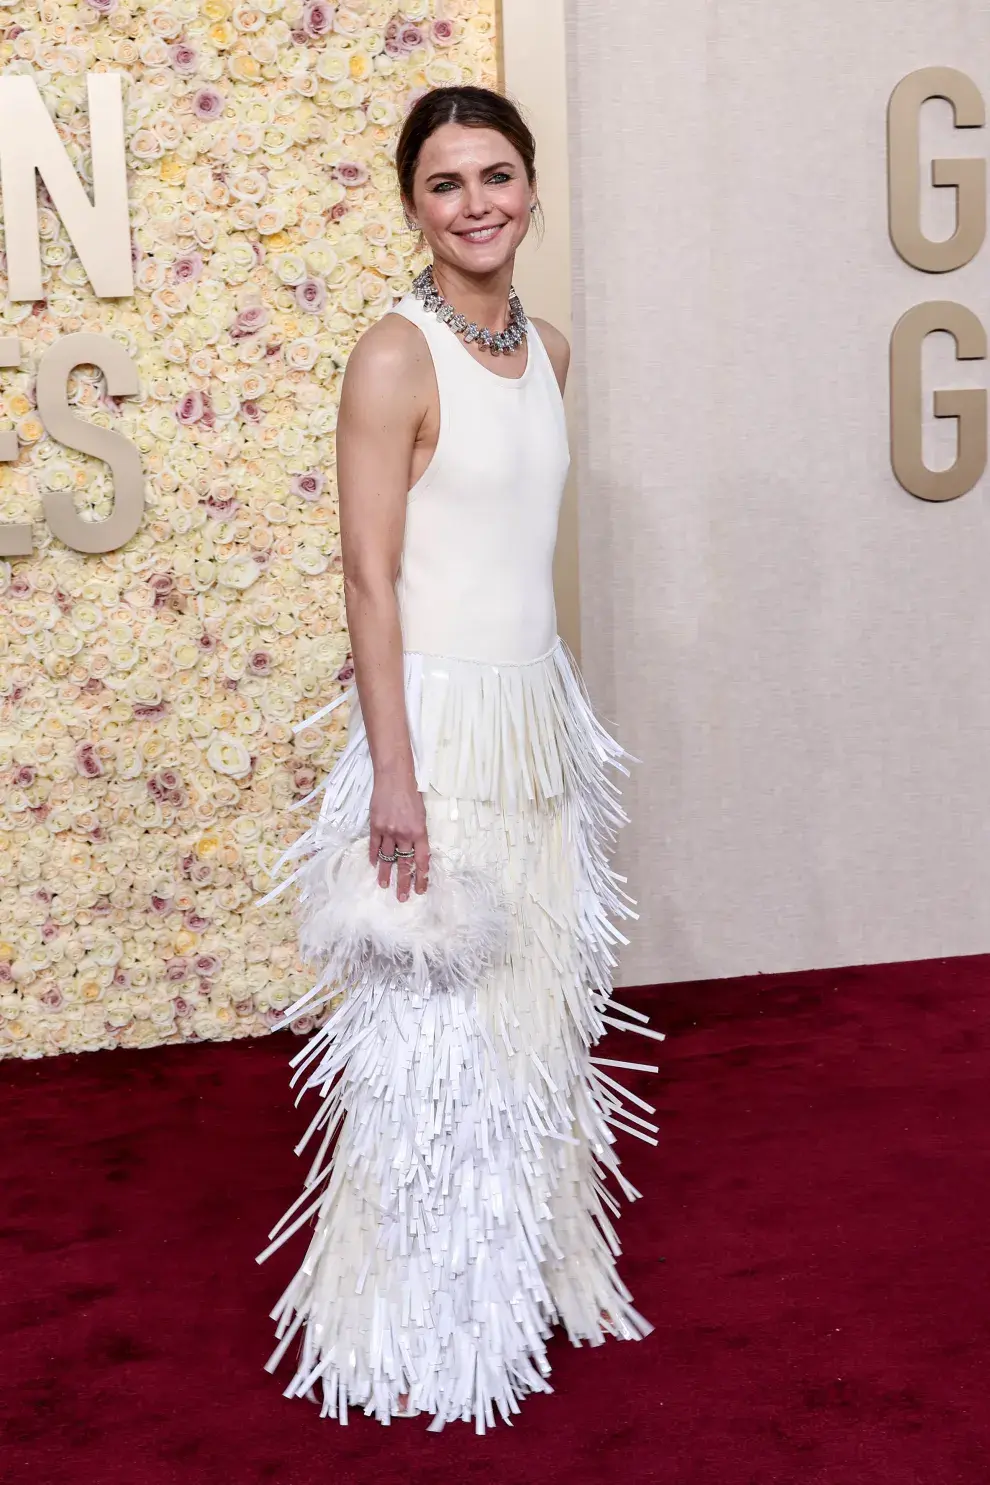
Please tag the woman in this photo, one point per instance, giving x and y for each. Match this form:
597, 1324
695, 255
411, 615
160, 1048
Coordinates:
463, 1211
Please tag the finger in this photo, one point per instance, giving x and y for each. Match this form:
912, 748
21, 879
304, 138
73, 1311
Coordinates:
403, 873
385, 867
422, 863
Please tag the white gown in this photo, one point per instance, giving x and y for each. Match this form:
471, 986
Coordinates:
465, 1205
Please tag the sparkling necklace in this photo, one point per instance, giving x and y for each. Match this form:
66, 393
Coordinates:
499, 342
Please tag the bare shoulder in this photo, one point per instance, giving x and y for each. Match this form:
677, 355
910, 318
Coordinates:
391, 361
393, 347
557, 348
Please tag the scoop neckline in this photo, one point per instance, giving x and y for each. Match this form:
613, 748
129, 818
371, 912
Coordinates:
510, 381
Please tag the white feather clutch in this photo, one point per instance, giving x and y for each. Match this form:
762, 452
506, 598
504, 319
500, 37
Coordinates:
443, 938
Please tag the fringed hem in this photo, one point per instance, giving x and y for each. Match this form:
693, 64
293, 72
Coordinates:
461, 1190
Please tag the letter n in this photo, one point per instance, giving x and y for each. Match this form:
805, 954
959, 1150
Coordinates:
99, 229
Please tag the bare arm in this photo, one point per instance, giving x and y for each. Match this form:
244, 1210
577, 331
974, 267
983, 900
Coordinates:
381, 408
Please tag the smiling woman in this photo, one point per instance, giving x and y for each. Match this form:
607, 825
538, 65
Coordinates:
466, 1208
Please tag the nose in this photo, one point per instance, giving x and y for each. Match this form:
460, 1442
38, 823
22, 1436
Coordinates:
475, 199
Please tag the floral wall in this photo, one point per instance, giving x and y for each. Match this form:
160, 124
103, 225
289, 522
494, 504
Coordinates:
147, 696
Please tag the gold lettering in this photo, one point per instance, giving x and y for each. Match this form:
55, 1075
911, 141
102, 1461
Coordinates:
967, 404
969, 177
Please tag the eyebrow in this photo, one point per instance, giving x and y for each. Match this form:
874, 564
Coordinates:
456, 174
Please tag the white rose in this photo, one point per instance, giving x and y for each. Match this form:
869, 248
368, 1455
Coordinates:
228, 755
310, 561
239, 571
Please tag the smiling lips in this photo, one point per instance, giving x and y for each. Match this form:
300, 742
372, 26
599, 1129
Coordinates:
481, 234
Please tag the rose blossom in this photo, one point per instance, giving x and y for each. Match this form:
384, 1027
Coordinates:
442, 33
208, 104
309, 485
176, 970
191, 408
251, 412
87, 761
401, 39
184, 58
249, 321
317, 19
188, 268
102, 7
259, 662
350, 173
24, 777
311, 295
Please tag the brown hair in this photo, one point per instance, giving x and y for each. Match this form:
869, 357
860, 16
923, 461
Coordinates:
475, 108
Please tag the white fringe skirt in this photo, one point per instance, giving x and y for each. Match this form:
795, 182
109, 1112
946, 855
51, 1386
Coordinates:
463, 1193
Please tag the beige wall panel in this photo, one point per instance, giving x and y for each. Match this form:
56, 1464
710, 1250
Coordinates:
534, 73
795, 646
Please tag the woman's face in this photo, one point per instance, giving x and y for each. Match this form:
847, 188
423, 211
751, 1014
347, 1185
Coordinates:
471, 198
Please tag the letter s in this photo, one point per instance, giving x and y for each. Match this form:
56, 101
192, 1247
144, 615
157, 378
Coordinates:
87, 349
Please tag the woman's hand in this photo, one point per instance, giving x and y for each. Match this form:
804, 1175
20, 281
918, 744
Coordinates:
398, 821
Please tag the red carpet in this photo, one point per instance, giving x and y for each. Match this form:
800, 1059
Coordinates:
813, 1250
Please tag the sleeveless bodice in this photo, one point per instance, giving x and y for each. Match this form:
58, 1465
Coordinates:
476, 573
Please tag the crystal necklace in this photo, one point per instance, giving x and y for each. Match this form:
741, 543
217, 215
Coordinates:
499, 342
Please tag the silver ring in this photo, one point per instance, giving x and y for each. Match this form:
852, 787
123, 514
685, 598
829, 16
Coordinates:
383, 857
404, 855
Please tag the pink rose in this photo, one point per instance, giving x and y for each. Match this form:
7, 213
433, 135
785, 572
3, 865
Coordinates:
350, 173
206, 964
442, 33
184, 58
251, 412
259, 662
147, 713
24, 777
102, 7
190, 409
160, 904
161, 582
311, 295
188, 268
408, 38
176, 969
221, 510
53, 998
309, 485
249, 321
195, 922
87, 761
21, 586
317, 20
208, 104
